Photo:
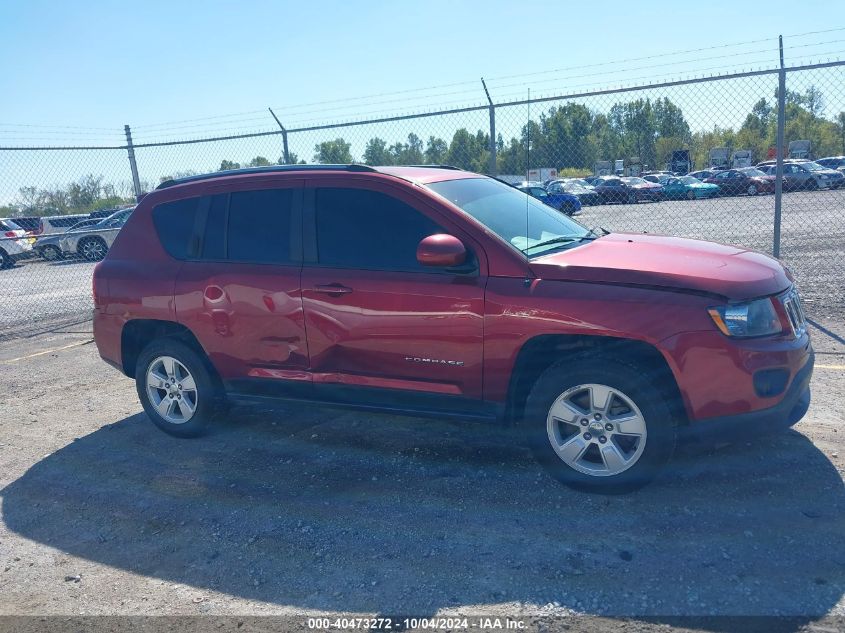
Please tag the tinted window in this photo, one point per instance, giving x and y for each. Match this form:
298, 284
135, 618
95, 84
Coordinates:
259, 226
215, 228
174, 222
357, 228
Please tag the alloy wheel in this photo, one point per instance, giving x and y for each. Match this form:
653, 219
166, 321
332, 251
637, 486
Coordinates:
596, 430
171, 389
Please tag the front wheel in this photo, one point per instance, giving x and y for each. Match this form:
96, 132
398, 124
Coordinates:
812, 185
175, 388
690, 195
752, 190
51, 253
599, 425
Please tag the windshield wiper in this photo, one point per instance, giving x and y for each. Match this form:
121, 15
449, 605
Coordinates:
562, 239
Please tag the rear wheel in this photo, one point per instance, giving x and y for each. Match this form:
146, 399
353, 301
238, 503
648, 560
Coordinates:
176, 388
5, 260
50, 253
690, 195
93, 248
599, 425
568, 208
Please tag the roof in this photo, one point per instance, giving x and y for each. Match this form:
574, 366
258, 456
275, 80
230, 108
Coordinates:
415, 173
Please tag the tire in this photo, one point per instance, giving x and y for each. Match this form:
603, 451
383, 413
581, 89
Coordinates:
690, 195
50, 253
5, 260
93, 248
637, 460
752, 190
170, 405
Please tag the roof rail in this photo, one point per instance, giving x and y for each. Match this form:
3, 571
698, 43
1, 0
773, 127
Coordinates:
263, 170
432, 166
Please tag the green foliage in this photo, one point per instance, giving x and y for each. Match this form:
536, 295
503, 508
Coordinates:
228, 165
259, 161
333, 152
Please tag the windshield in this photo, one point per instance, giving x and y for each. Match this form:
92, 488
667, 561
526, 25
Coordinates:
812, 166
634, 181
689, 180
524, 223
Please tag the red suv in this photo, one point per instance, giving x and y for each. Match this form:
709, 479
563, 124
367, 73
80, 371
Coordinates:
439, 292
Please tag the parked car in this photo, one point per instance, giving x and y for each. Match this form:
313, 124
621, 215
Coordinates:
560, 200
833, 162
14, 243
612, 189
644, 189
28, 224
704, 174
58, 223
659, 179
49, 246
689, 188
103, 213
435, 291
805, 174
93, 242
585, 192
748, 180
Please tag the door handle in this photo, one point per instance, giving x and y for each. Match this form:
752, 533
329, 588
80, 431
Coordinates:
334, 290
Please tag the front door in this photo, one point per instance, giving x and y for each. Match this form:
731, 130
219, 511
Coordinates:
377, 318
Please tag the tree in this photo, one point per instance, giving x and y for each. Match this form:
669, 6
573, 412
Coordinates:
226, 165
435, 151
259, 161
333, 152
375, 153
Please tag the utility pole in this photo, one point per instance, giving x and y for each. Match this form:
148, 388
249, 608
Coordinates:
284, 137
136, 182
492, 167
779, 149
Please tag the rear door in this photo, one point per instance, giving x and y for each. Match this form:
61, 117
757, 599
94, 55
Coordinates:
375, 317
239, 290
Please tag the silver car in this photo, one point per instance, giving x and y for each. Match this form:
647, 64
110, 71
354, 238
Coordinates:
93, 242
49, 246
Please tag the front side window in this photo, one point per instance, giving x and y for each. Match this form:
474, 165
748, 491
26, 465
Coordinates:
363, 229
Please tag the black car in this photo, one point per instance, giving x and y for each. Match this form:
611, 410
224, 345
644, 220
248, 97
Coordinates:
612, 189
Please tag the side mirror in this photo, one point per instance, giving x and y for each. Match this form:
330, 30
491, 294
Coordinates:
441, 250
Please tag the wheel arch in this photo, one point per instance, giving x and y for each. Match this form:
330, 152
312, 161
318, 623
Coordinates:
138, 333
540, 352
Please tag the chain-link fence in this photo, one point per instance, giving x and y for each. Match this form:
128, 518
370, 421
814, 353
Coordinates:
694, 158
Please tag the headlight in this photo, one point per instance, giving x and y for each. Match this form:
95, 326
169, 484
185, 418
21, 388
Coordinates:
743, 320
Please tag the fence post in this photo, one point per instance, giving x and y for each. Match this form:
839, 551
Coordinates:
492, 167
285, 151
136, 182
779, 149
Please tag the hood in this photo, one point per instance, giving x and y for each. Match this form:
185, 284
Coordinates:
646, 185
670, 262
702, 185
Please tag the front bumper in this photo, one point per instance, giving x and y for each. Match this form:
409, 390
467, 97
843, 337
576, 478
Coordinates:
783, 415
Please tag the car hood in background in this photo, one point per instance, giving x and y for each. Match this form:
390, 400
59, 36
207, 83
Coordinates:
670, 262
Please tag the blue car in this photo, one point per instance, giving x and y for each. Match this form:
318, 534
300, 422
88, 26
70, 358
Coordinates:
560, 200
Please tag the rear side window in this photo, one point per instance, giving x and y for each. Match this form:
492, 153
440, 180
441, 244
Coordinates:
250, 226
174, 223
357, 228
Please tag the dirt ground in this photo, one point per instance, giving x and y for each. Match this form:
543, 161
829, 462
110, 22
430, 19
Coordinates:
296, 511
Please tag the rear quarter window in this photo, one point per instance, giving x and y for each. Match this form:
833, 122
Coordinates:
174, 224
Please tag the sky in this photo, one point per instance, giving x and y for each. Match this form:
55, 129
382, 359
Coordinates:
75, 72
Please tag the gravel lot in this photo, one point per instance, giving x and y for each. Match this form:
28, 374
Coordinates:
294, 510
39, 296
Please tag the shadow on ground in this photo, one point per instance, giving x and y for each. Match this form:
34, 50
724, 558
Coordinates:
353, 512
